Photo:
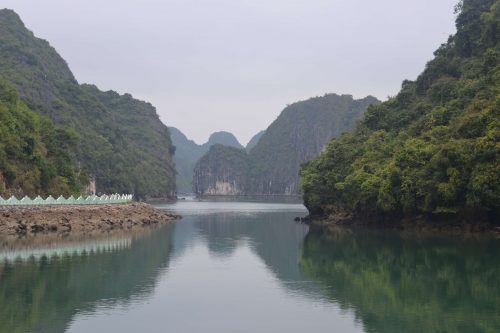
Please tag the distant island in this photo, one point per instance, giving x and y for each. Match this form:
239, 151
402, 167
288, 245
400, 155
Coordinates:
188, 152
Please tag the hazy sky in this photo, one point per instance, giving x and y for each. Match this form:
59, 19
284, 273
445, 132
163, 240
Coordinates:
210, 65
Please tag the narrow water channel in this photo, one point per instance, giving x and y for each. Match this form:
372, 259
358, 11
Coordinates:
248, 267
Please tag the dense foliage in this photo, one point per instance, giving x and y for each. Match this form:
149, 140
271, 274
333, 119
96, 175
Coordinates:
35, 156
432, 149
188, 152
124, 146
298, 135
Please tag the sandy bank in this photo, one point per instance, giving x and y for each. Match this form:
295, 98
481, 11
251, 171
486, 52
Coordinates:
79, 219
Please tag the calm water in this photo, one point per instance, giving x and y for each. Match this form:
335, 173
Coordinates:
247, 267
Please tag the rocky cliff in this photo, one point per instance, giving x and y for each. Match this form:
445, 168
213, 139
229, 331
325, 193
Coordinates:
188, 152
298, 135
223, 170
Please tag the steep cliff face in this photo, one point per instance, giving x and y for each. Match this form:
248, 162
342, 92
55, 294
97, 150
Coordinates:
223, 170
187, 153
123, 144
298, 135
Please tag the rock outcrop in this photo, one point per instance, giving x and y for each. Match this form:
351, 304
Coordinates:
222, 171
188, 152
79, 219
272, 166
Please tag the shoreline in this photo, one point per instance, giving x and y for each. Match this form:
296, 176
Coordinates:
416, 224
249, 195
80, 219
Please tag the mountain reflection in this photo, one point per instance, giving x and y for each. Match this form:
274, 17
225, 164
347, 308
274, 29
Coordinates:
388, 281
274, 237
42, 293
400, 283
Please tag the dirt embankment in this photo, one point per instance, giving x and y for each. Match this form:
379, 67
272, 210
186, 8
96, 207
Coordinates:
80, 219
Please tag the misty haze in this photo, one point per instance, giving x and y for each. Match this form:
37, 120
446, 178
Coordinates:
249, 166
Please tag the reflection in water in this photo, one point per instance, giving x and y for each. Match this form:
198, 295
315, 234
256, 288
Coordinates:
267, 228
409, 284
54, 247
230, 271
42, 294
274, 237
247, 267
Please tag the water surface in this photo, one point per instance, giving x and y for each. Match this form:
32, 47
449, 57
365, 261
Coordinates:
248, 267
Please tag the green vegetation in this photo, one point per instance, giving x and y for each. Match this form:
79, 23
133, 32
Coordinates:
434, 148
36, 157
298, 135
123, 146
396, 284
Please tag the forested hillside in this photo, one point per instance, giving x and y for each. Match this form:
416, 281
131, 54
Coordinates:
36, 157
299, 134
123, 144
433, 148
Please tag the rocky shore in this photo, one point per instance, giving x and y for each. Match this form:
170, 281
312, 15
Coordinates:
79, 219
416, 224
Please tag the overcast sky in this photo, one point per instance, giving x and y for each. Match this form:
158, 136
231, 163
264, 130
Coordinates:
211, 65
